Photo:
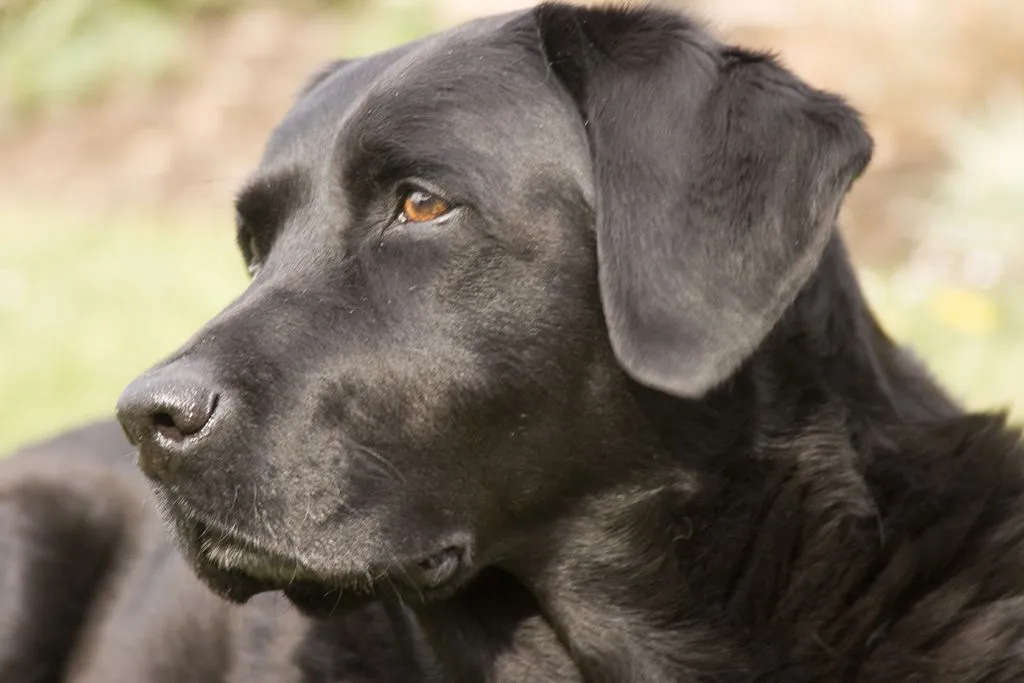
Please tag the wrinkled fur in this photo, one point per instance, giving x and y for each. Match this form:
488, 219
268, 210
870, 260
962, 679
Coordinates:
634, 374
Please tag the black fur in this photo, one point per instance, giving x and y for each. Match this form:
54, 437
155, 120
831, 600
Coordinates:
621, 415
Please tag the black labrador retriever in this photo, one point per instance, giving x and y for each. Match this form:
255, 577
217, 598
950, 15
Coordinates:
552, 368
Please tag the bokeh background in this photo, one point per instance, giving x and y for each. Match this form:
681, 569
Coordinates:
126, 126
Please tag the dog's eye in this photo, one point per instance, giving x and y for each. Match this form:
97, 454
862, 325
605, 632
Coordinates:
420, 206
253, 267
255, 257
251, 251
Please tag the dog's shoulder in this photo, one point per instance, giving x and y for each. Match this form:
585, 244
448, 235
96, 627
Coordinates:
948, 594
904, 561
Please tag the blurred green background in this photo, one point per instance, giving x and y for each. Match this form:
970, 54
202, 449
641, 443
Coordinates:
126, 125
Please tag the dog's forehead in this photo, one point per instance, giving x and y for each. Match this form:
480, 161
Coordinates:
483, 86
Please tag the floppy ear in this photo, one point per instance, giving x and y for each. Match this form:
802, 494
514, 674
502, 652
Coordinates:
322, 74
718, 178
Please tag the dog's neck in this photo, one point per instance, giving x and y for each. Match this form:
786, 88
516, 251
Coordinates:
493, 632
718, 563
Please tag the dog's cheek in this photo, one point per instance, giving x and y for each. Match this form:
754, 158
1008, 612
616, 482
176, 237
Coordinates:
454, 392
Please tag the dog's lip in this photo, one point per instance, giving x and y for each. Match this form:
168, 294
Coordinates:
245, 568
231, 553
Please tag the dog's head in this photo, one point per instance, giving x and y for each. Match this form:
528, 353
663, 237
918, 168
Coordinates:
467, 253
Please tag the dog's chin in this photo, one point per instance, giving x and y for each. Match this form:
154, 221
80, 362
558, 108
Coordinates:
236, 569
316, 599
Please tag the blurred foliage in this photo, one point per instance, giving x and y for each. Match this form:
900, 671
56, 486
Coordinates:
959, 298
977, 212
56, 52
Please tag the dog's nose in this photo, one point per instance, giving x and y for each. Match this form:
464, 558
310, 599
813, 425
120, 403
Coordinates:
164, 413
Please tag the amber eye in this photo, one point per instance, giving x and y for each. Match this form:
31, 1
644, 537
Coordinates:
255, 257
420, 206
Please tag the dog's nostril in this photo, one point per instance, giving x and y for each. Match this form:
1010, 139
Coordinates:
168, 410
165, 427
178, 420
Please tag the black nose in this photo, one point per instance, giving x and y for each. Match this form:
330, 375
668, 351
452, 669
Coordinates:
164, 413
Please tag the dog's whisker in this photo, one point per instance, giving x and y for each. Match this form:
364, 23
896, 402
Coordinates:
337, 601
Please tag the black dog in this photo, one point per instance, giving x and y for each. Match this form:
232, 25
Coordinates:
553, 368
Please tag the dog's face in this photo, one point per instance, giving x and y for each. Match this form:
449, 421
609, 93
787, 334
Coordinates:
464, 253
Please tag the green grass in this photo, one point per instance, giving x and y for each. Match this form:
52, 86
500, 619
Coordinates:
86, 305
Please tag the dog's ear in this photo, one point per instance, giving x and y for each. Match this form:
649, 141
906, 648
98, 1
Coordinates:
322, 74
718, 178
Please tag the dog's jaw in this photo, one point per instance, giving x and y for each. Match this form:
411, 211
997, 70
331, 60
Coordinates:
237, 567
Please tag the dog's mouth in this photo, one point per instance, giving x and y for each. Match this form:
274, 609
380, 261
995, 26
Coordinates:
231, 553
237, 568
